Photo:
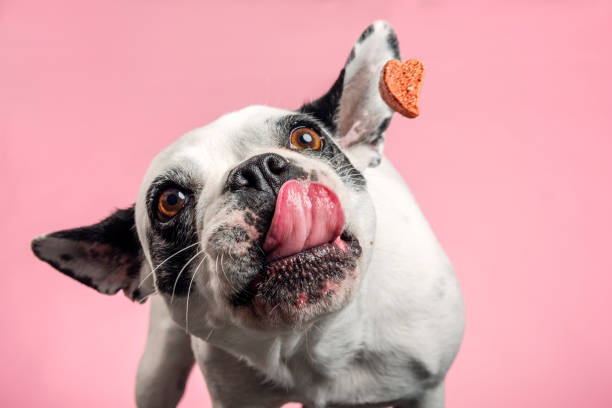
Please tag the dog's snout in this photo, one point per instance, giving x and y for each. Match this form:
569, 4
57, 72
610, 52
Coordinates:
265, 172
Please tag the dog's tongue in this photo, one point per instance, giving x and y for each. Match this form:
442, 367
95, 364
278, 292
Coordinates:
306, 215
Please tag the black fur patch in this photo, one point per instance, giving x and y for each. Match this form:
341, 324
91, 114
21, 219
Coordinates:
420, 371
351, 56
118, 231
259, 203
169, 239
330, 150
393, 44
235, 234
66, 257
325, 108
366, 33
122, 250
383, 125
249, 218
171, 277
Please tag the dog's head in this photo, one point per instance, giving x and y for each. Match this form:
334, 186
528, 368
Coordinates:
261, 218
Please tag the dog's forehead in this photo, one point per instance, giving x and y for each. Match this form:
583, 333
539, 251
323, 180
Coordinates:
212, 147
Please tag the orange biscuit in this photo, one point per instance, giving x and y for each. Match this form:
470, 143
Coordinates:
400, 85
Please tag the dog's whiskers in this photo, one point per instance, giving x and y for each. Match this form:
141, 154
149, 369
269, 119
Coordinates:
229, 282
164, 261
195, 272
232, 287
210, 333
145, 298
271, 310
181, 272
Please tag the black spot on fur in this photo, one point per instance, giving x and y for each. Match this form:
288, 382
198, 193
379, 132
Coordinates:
66, 257
260, 203
419, 370
393, 44
249, 218
235, 234
136, 294
324, 108
351, 56
384, 125
366, 33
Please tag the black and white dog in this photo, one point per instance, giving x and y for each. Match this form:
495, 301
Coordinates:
285, 255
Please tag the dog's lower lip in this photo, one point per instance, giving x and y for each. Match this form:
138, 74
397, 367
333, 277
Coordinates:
308, 264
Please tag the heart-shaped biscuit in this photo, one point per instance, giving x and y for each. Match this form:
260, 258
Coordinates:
400, 85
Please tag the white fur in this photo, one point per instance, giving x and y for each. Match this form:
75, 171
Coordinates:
387, 334
408, 306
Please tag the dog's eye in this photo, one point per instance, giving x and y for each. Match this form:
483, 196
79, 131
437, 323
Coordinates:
170, 202
305, 138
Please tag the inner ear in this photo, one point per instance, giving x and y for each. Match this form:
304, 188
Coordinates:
106, 256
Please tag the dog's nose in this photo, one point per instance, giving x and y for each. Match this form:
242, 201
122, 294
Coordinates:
266, 172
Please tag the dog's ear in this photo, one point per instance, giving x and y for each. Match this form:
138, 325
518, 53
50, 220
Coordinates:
106, 256
353, 108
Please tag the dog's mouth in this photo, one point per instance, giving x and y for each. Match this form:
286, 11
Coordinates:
308, 251
302, 278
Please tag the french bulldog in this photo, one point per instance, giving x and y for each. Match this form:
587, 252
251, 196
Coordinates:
284, 254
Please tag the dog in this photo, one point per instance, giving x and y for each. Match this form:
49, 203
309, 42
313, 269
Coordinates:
284, 254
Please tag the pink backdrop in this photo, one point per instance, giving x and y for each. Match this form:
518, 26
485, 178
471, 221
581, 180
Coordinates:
510, 161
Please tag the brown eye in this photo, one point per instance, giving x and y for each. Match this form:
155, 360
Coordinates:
305, 138
170, 202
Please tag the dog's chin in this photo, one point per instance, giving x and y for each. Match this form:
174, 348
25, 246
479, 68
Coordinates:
296, 289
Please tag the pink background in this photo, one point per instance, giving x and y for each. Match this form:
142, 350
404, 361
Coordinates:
510, 161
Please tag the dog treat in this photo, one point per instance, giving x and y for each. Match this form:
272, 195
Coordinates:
400, 85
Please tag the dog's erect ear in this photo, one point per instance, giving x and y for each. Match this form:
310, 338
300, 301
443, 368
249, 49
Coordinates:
106, 256
353, 108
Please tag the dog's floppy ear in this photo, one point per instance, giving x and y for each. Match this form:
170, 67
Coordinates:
353, 108
106, 256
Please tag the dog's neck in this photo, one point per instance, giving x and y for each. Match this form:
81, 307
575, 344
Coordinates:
320, 349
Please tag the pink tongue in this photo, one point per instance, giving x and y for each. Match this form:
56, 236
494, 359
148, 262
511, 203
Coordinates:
306, 215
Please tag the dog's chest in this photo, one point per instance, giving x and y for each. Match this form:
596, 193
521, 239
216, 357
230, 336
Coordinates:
333, 376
